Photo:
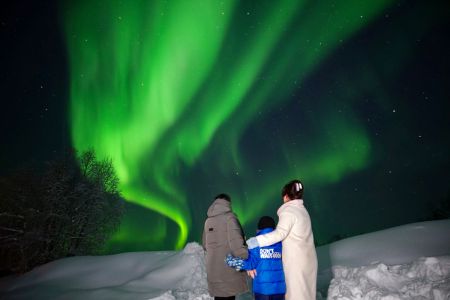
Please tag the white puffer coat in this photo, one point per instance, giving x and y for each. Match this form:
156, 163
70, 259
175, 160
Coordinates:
299, 254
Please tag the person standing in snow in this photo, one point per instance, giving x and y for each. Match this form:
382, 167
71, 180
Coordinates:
223, 234
268, 280
295, 232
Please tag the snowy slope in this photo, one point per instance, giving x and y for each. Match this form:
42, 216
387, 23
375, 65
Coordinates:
134, 275
424, 278
397, 245
181, 274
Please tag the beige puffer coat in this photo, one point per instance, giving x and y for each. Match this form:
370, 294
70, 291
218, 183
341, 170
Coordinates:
222, 235
299, 254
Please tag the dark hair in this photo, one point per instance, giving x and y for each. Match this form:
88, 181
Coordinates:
223, 196
293, 189
266, 222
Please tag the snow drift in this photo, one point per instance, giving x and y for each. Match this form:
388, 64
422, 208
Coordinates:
405, 262
393, 246
425, 278
135, 275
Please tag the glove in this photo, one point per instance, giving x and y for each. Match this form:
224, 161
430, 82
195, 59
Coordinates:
252, 243
235, 262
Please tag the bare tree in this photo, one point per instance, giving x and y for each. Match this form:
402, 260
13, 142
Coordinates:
72, 207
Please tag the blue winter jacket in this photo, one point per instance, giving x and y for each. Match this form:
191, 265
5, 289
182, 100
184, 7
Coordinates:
269, 268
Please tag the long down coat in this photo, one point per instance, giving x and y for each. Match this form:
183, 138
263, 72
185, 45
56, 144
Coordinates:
223, 234
299, 254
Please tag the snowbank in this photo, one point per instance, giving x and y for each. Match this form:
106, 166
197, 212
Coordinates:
359, 266
135, 275
393, 246
425, 278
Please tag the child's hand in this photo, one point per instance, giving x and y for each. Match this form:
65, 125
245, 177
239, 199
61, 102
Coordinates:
252, 273
235, 262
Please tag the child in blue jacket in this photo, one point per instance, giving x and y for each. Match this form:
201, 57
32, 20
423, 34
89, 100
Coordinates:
268, 284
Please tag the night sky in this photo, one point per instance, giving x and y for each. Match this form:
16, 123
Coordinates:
194, 98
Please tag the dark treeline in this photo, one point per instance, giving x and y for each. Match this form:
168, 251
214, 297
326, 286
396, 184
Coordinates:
441, 210
70, 206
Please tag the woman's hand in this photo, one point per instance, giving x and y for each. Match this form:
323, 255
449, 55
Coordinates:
252, 243
252, 273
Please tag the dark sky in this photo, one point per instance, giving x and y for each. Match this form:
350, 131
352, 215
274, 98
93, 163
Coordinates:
34, 82
362, 117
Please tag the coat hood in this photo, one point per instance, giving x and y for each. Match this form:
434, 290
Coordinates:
219, 207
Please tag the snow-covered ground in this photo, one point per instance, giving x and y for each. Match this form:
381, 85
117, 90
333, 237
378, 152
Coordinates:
405, 262
353, 260
425, 278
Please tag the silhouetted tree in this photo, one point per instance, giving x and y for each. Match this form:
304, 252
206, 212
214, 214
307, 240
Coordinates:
442, 209
72, 207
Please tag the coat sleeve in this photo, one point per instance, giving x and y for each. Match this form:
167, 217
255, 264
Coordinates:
284, 226
236, 238
252, 261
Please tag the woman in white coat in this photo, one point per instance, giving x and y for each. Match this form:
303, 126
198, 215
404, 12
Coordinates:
299, 254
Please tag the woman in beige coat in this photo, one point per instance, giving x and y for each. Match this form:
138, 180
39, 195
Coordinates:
299, 254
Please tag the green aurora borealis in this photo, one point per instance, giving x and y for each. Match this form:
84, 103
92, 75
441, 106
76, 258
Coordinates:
181, 94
